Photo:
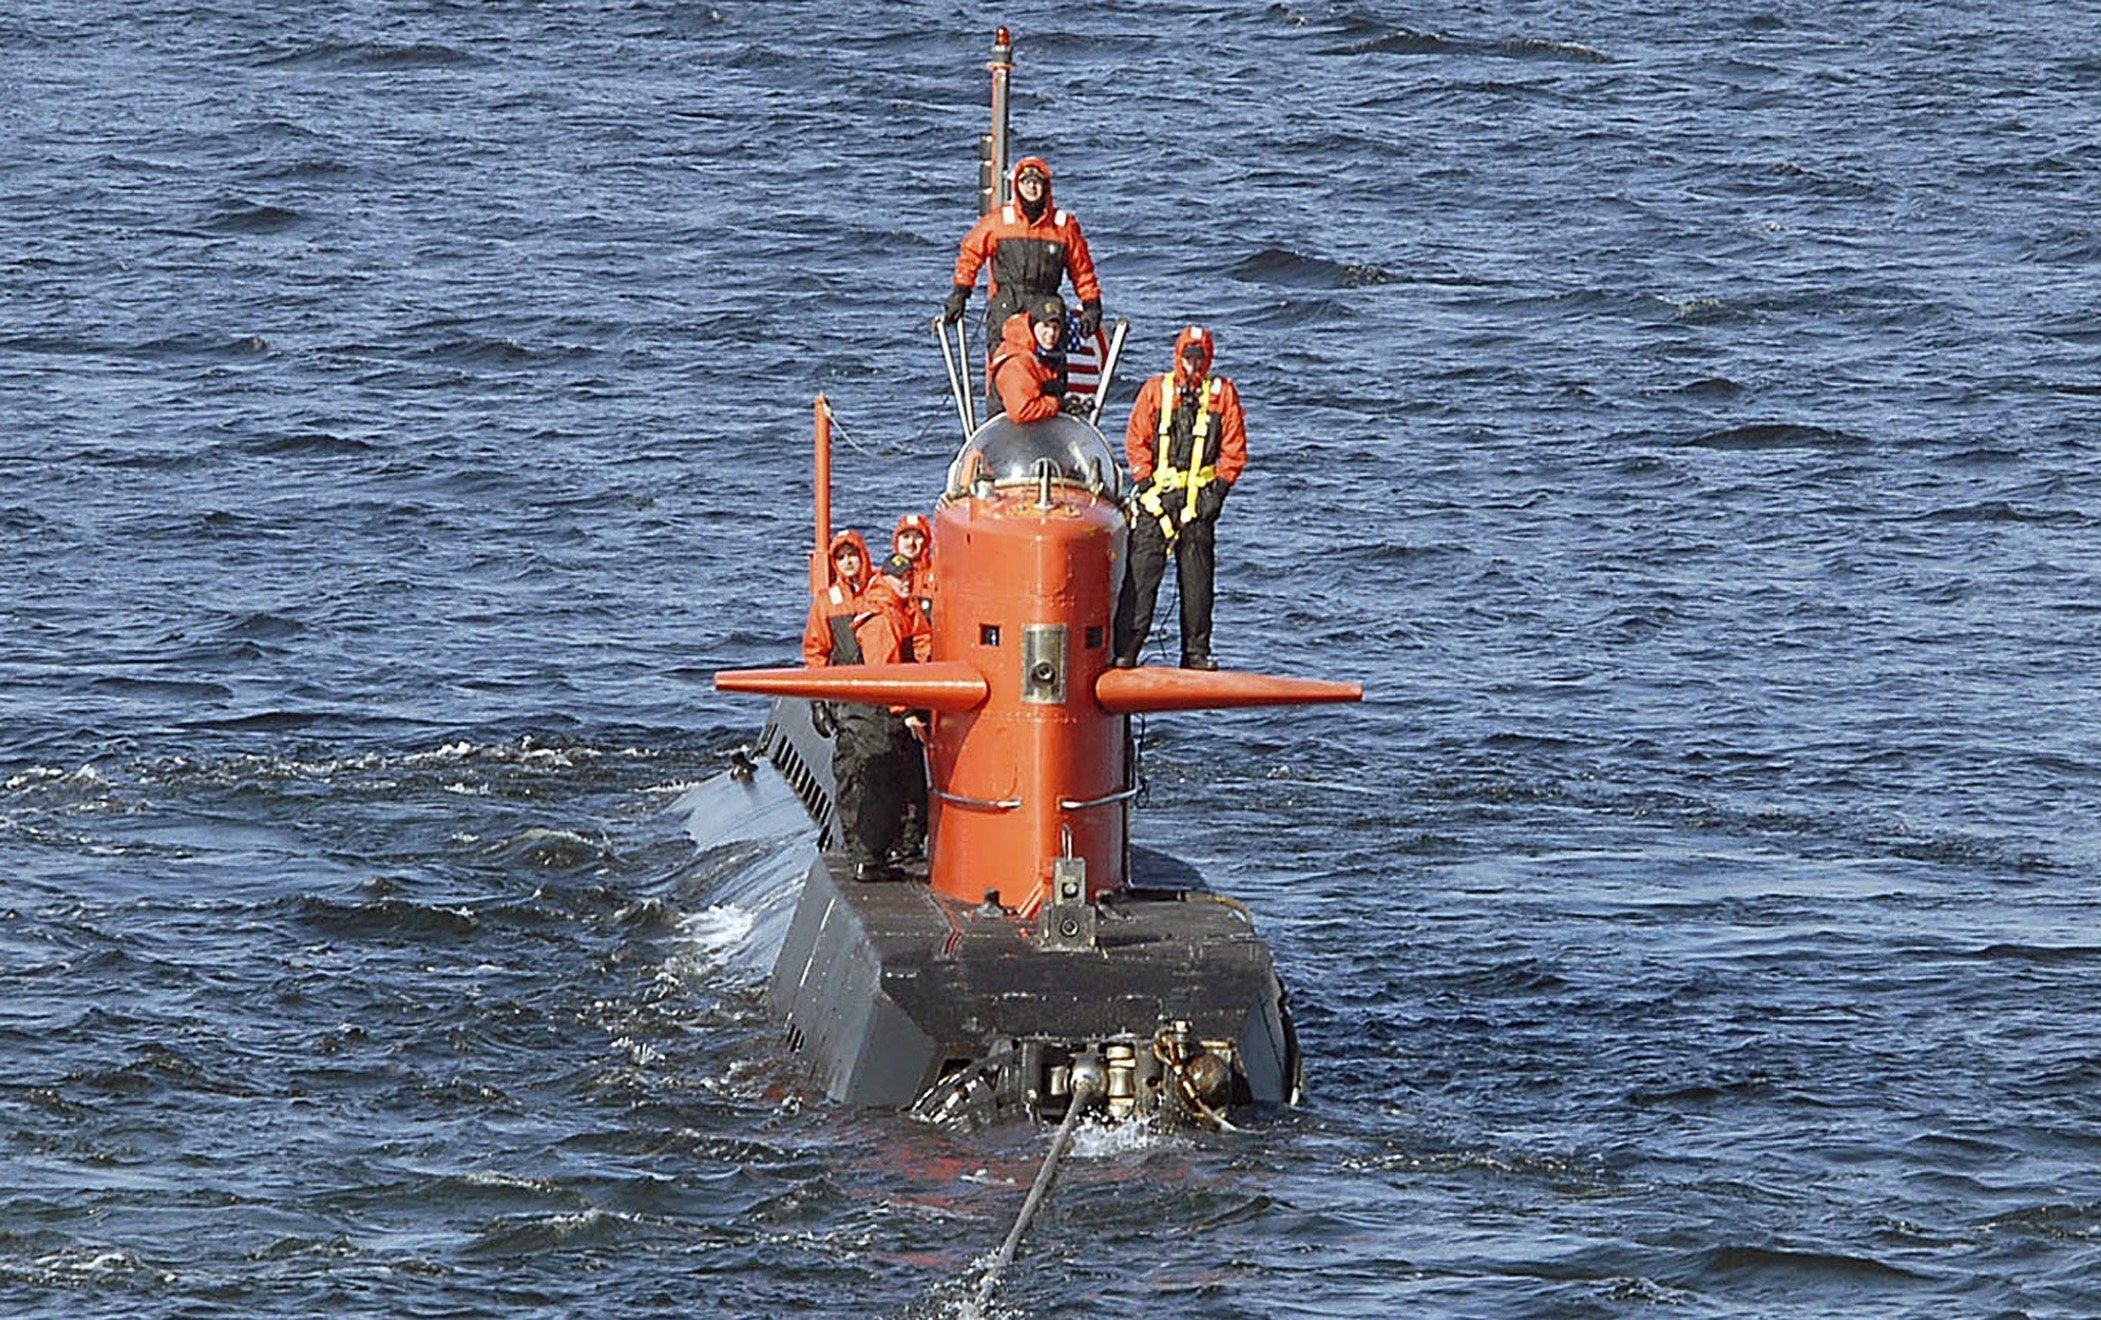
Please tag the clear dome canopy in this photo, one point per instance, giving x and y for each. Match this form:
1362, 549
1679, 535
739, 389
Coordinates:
1010, 453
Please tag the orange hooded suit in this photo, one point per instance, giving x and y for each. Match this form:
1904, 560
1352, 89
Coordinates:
1226, 447
1186, 445
855, 621
1030, 258
1028, 387
876, 768
915, 578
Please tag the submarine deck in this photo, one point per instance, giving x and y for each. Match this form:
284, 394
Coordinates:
884, 985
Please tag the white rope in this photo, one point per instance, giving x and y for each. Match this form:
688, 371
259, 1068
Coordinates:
1081, 1099
873, 449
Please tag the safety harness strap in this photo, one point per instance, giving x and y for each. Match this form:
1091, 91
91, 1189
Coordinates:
1168, 477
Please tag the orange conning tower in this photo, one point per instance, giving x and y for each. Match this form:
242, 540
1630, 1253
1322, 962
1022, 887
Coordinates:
1027, 760
1039, 770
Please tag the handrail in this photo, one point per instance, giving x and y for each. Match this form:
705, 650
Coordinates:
958, 391
1074, 804
963, 389
1004, 804
1101, 384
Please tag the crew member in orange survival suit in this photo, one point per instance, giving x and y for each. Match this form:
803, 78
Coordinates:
1031, 246
1186, 445
911, 562
859, 620
1028, 371
911, 567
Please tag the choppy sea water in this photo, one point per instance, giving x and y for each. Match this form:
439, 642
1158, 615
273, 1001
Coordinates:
1682, 419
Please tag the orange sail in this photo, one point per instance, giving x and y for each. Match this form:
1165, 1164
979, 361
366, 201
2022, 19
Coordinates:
1028, 763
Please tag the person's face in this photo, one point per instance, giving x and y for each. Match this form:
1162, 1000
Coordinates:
1046, 334
910, 542
1030, 186
847, 561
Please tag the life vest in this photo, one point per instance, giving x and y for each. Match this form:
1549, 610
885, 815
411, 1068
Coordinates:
1157, 498
869, 626
915, 583
846, 615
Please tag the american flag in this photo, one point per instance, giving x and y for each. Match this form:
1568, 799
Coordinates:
1083, 358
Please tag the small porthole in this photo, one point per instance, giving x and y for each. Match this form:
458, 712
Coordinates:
1094, 637
988, 634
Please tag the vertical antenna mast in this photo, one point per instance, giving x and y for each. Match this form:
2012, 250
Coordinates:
821, 558
992, 147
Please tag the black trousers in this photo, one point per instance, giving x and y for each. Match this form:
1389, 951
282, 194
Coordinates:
1195, 556
911, 830
872, 767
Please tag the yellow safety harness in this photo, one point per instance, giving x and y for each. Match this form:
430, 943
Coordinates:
1169, 478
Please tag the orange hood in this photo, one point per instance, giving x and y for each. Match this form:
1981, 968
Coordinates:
1016, 336
1014, 182
915, 522
853, 539
1199, 337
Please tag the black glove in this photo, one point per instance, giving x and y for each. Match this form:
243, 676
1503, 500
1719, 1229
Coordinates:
1073, 403
1211, 498
952, 306
1055, 386
1091, 317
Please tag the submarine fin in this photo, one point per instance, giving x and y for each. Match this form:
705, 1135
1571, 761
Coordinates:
949, 687
1157, 687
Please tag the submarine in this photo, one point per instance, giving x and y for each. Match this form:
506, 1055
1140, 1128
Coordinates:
1044, 959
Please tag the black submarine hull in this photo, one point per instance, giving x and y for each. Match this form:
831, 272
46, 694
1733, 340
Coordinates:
890, 995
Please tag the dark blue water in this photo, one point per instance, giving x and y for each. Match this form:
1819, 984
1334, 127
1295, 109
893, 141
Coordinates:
1685, 419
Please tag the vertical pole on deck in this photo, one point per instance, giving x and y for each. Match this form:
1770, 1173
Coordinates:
820, 560
1002, 67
